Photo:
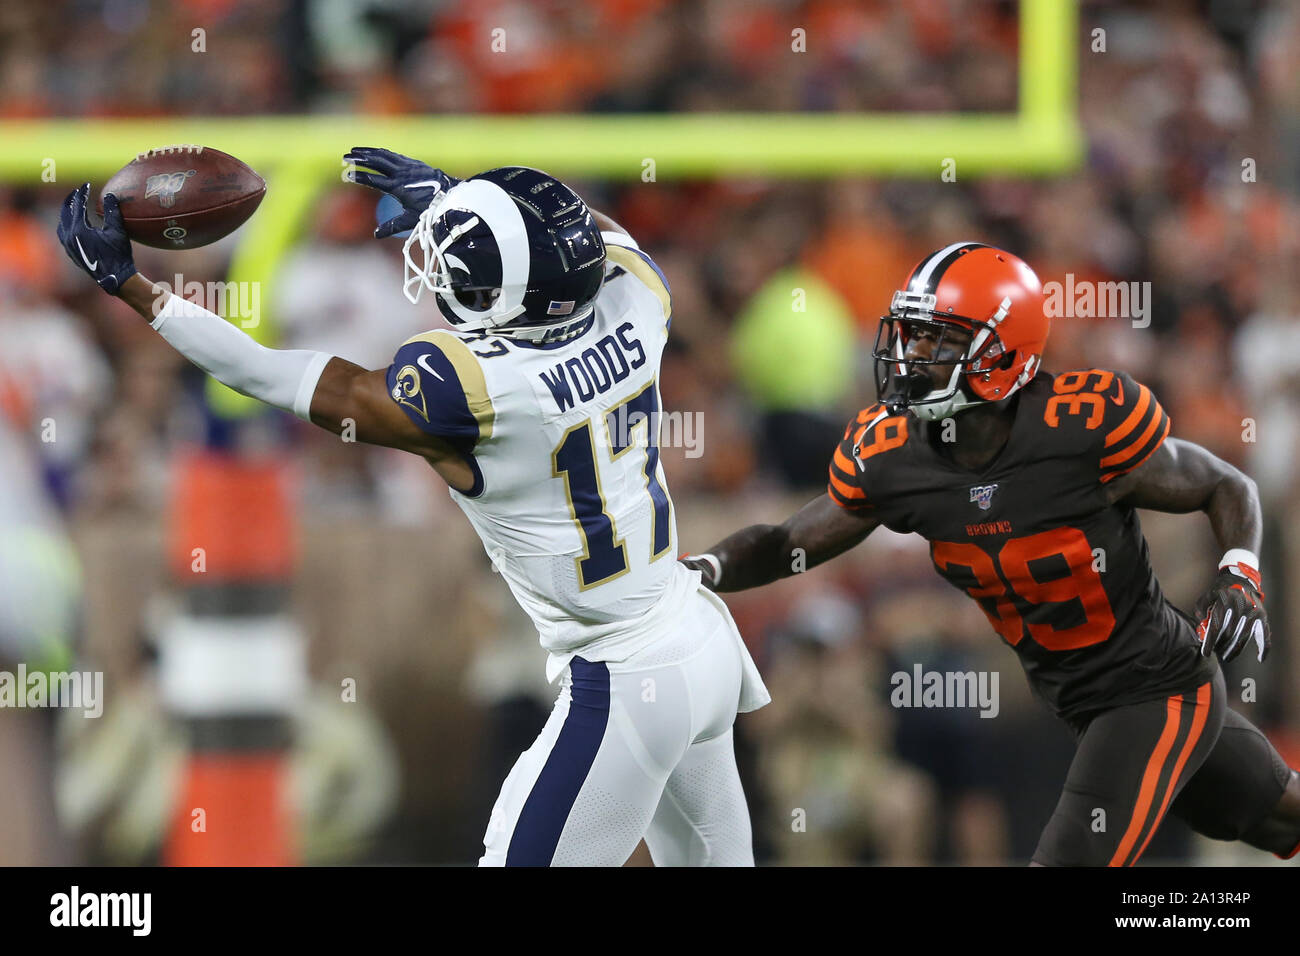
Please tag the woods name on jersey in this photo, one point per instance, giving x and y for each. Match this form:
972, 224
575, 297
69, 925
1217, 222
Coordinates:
608, 361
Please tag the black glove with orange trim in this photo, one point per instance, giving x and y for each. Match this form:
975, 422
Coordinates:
1231, 613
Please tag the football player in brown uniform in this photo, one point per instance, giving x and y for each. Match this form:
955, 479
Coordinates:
1040, 476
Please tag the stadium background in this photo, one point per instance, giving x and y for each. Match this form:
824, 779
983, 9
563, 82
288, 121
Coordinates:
1129, 167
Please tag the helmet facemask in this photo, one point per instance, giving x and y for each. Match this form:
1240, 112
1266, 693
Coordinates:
967, 346
441, 272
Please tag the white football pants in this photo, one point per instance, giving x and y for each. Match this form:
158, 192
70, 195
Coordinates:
633, 749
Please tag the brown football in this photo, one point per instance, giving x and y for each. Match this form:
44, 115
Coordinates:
183, 197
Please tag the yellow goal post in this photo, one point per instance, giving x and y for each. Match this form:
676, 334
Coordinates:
300, 156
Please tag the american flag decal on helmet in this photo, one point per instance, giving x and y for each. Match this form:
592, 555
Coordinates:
560, 308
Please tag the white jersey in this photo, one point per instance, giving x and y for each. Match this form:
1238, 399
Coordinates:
570, 498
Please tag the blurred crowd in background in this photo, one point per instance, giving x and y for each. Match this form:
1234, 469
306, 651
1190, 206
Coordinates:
1191, 183
391, 56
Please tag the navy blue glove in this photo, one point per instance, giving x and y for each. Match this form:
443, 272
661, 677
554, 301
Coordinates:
103, 253
412, 183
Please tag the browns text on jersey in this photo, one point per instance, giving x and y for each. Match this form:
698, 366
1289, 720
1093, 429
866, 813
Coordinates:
1063, 575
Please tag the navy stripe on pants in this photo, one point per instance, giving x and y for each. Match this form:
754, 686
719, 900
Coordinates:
537, 833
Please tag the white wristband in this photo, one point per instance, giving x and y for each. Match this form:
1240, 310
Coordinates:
1244, 564
713, 562
285, 378
1240, 556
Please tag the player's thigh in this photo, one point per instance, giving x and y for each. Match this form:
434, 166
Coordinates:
1238, 786
702, 818
648, 730
1130, 764
586, 791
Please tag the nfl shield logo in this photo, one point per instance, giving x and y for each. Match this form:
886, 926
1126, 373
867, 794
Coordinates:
983, 494
165, 186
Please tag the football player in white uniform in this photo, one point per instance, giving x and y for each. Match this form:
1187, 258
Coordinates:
540, 409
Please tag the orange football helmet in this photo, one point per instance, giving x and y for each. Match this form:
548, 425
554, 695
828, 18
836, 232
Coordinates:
975, 288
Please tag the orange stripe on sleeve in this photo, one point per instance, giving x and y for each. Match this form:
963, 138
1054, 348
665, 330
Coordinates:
845, 490
1193, 737
843, 463
846, 505
1130, 423
1150, 777
1154, 448
1130, 450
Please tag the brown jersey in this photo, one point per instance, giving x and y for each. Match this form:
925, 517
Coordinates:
1063, 575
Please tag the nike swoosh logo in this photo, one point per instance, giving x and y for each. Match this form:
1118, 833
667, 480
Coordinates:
427, 182
1120, 400
425, 365
84, 258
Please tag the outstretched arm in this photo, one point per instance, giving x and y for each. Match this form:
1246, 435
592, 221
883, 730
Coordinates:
326, 390
317, 387
1181, 477
763, 553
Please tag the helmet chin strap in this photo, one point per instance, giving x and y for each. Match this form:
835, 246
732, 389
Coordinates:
957, 400
947, 408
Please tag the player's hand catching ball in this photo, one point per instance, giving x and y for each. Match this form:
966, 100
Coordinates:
412, 183
104, 253
1232, 612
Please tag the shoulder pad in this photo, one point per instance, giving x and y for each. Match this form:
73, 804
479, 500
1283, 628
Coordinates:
873, 431
1118, 419
440, 385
